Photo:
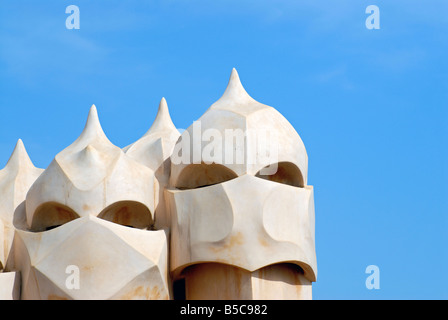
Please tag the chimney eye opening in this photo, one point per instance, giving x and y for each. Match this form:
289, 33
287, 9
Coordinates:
286, 173
203, 175
130, 214
51, 215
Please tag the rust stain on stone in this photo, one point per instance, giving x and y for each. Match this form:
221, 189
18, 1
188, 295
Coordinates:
143, 292
263, 241
236, 239
123, 216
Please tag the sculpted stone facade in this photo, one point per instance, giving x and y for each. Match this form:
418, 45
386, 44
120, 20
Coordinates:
219, 211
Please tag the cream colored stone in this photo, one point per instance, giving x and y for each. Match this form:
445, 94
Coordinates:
15, 180
2, 246
154, 150
85, 230
275, 282
112, 262
233, 224
9, 286
108, 223
237, 112
246, 222
92, 177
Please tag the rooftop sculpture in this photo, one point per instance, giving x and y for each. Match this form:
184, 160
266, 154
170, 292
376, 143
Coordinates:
221, 211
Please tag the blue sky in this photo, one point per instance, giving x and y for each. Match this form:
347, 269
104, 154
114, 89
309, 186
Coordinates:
370, 105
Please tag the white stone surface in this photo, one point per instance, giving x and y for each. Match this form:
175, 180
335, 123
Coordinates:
237, 111
15, 180
114, 262
246, 222
233, 214
102, 222
154, 150
9, 286
92, 209
90, 177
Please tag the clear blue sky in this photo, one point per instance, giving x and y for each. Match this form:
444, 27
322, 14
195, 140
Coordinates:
370, 105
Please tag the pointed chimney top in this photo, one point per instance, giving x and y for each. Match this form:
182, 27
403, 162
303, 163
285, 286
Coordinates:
235, 90
93, 122
19, 158
236, 99
162, 121
92, 131
92, 156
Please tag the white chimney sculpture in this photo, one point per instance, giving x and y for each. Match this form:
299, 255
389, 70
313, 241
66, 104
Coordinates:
221, 211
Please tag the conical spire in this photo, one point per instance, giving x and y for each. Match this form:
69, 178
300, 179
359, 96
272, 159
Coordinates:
163, 120
15, 180
162, 128
92, 130
19, 158
91, 174
91, 157
235, 90
236, 99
